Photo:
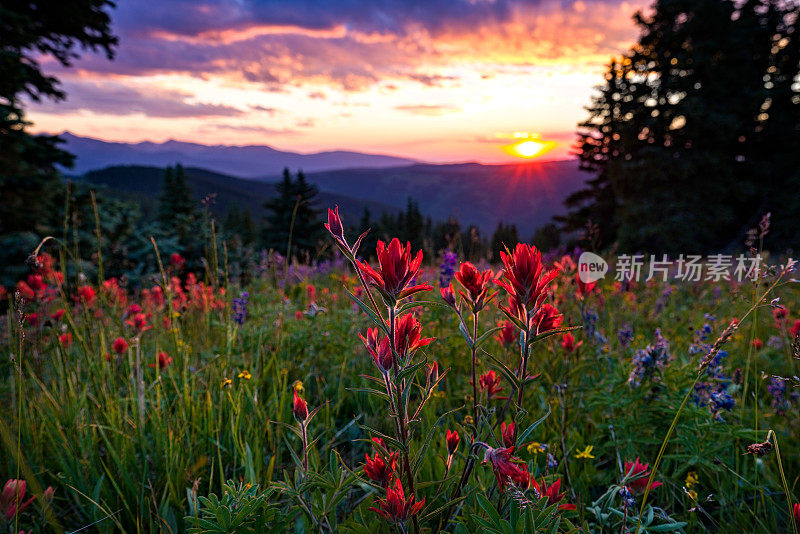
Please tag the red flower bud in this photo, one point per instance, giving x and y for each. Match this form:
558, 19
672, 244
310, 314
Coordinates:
448, 296
509, 433
299, 408
452, 439
334, 224
433, 373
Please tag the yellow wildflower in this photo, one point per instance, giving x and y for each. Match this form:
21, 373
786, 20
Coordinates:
244, 375
468, 420
298, 387
535, 448
692, 494
691, 479
226, 383
586, 453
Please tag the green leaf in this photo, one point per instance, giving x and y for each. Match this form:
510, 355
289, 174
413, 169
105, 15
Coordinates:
490, 510
420, 456
508, 373
486, 334
376, 319
524, 435
466, 335
545, 335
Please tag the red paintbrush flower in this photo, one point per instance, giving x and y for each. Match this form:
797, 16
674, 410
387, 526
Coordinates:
551, 492
58, 314
796, 514
11, 500
36, 282
506, 467
525, 277
642, 472
163, 358
139, 322
380, 351
133, 309
65, 340
397, 270
86, 295
476, 284
508, 335
119, 345
299, 408
408, 335
490, 383
795, 329
379, 470
177, 260
32, 319
452, 438
509, 433
25, 290
546, 318
395, 508
583, 288
568, 342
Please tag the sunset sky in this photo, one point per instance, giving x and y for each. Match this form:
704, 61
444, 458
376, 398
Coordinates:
434, 80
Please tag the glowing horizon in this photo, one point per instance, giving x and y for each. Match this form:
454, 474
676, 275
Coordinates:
449, 84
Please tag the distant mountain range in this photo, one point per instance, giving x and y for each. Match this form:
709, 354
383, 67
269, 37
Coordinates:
527, 194
244, 161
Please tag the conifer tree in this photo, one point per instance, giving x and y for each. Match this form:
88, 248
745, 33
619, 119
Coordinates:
293, 220
693, 135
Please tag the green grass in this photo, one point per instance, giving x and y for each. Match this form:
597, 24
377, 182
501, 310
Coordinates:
132, 459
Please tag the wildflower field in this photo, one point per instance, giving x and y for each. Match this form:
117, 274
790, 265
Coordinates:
381, 391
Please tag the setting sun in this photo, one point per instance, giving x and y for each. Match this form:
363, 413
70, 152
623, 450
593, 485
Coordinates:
529, 146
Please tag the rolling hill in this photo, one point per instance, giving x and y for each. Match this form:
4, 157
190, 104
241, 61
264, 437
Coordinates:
142, 184
527, 195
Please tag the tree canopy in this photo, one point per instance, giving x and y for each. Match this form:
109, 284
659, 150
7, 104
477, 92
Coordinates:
694, 134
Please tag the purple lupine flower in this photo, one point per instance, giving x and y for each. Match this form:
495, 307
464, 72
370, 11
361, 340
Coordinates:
625, 335
712, 392
240, 308
780, 402
448, 268
648, 360
590, 319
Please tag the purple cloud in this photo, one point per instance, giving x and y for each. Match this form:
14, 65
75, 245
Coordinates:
112, 98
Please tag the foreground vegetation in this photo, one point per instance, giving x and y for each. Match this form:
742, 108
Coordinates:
542, 403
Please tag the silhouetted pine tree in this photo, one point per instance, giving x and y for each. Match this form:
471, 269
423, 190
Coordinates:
33, 34
694, 134
504, 236
293, 212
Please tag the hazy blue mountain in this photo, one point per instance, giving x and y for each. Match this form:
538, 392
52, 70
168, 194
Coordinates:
242, 161
526, 194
